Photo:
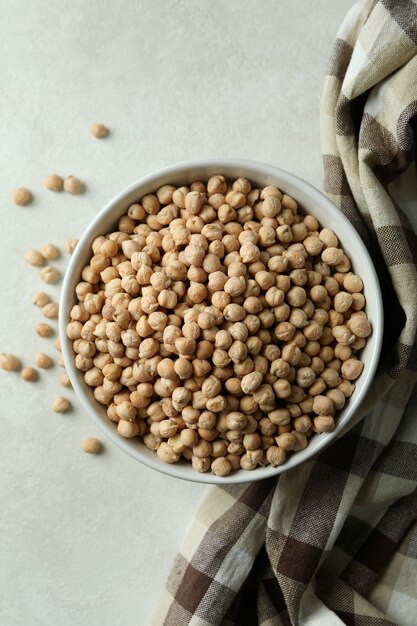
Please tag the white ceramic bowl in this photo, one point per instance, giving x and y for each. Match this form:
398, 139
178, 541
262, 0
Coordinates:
311, 201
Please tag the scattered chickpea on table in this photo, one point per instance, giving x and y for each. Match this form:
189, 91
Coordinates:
99, 130
21, 196
53, 182
73, 185
9, 362
220, 324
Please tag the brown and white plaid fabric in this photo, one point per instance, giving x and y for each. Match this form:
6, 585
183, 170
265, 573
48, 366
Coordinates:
334, 541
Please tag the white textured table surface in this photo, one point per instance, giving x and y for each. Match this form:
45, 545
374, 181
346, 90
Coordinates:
89, 540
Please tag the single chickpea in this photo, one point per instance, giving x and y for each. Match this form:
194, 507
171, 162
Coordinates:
218, 448
200, 464
9, 362
324, 424
289, 203
202, 449
285, 331
236, 421
43, 360
271, 206
342, 301
44, 330
21, 196
99, 130
351, 369
221, 466
216, 184
29, 374
352, 283
50, 310
337, 397
194, 202
328, 237
128, 429
50, 252
305, 377
330, 377
72, 185
318, 293
286, 441
94, 377
40, 299
252, 441
211, 387
343, 335
49, 275
332, 256
189, 437
291, 354
275, 456
270, 190
296, 297
64, 380
313, 245
358, 301
33, 257
322, 405
347, 388
60, 405
359, 325
70, 245
251, 382
317, 387
282, 388
216, 404
91, 445
185, 346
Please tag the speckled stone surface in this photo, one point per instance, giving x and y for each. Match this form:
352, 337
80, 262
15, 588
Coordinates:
89, 540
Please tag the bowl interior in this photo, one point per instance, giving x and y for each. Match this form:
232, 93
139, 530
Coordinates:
311, 201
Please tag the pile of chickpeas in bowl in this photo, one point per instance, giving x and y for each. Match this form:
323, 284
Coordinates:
220, 325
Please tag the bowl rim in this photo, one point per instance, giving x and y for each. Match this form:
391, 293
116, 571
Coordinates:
67, 298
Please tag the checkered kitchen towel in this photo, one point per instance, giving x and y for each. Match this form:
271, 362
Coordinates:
335, 540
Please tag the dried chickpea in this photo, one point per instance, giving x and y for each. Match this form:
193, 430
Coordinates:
9, 362
128, 429
53, 182
91, 445
64, 380
50, 310
324, 424
40, 299
286, 441
33, 257
221, 466
72, 185
99, 130
275, 456
342, 301
352, 283
43, 360
60, 405
44, 330
70, 245
21, 196
49, 275
29, 374
351, 369
359, 326
50, 252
